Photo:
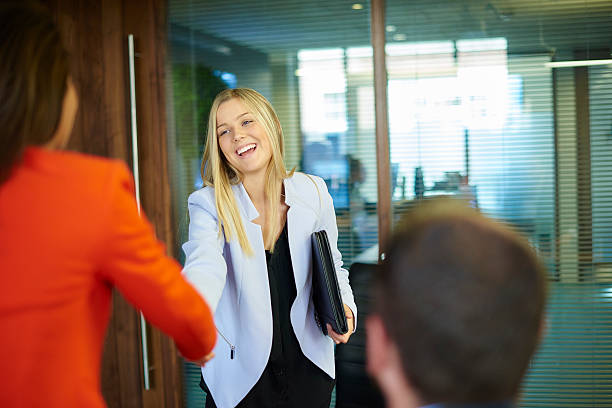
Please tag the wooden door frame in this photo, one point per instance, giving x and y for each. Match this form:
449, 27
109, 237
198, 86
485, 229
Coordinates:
384, 210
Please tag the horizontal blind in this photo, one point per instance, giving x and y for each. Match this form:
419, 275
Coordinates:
475, 110
313, 62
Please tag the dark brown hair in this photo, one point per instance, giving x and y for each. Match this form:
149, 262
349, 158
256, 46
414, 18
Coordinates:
33, 74
462, 297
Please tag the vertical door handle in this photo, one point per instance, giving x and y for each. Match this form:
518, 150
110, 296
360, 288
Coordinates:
134, 132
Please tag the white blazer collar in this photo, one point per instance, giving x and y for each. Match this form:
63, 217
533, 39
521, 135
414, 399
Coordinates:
289, 192
245, 204
292, 198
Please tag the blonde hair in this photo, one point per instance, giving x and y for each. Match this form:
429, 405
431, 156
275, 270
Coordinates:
219, 173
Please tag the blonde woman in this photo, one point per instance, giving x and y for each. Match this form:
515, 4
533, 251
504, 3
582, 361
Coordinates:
249, 255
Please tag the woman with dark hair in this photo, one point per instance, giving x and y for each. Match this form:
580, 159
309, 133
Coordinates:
69, 232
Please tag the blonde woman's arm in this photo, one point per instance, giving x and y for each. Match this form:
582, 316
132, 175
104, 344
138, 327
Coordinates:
205, 267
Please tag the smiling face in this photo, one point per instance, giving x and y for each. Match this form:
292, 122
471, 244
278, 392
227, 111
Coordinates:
243, 141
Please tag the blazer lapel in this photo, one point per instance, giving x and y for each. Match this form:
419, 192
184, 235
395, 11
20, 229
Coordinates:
301, 223
245, 204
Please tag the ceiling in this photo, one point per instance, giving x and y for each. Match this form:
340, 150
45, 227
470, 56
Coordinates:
557, 27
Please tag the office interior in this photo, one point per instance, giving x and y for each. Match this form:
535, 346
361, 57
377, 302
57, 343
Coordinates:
506, 103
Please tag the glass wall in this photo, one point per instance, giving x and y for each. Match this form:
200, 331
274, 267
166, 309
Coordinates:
313, 62
476, 109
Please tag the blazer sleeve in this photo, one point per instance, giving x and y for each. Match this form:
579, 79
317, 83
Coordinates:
328, 222
205, 265
136, 263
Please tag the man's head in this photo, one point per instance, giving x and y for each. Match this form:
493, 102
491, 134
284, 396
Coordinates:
459, 304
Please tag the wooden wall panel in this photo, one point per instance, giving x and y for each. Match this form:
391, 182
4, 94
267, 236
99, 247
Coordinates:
92, 32
147, 22
95, 34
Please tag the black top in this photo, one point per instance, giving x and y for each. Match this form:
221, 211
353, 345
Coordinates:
290, 379
285, 347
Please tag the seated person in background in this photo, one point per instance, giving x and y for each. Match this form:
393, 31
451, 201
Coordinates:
69, 232
458, 311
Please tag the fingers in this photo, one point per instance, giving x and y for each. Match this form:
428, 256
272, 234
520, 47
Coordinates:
348, 311
334, 336
209, 356
202, 361
350, 318
338, 338
350, 322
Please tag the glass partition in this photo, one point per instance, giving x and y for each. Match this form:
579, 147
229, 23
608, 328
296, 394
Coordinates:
479, 109
313, 62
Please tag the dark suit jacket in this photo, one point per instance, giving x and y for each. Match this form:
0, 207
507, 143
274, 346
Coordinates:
481, 405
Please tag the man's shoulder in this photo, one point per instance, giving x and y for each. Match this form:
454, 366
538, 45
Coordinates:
472, 405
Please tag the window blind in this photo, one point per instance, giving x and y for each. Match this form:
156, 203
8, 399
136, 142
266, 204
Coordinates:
476, 110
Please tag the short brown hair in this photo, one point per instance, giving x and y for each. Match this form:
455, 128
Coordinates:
462, 297
33, 75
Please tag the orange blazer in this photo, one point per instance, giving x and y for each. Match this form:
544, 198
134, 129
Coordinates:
69, 233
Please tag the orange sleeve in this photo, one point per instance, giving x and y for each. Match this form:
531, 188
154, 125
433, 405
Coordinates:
137, 264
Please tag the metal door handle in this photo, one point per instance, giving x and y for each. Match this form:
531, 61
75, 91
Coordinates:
134, 131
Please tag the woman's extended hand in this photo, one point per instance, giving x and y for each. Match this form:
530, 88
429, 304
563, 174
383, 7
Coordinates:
202, 361
343, 338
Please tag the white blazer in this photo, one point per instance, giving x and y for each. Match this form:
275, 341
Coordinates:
236, 286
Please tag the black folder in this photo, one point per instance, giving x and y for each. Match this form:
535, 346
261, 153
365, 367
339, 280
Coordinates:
326, 296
